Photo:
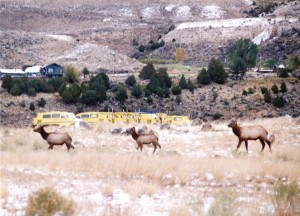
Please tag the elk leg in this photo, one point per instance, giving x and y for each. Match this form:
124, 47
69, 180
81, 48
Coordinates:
51, 146
246, 144
269, 144
141, 147
239, 144
154, 145
158, 145
263, 144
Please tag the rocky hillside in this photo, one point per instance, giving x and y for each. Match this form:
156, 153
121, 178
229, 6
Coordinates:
99, 34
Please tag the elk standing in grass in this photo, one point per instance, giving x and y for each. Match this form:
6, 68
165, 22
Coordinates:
55, 138
251, 133
142, 139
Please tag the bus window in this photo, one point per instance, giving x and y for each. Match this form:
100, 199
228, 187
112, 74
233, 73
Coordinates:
55, 115
47, 116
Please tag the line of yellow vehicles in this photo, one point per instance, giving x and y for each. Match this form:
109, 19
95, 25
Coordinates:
67, 118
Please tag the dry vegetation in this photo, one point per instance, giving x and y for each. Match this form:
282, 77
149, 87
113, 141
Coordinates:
113, 177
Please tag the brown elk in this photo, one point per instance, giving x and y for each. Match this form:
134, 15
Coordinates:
55, 138
255, 132
143, 139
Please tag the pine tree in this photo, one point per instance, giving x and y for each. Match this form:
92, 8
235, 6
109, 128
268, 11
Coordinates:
147, 72
182, 82
190, 85
203, 77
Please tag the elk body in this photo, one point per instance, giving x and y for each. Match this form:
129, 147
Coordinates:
246, 133
143, 139
55, 138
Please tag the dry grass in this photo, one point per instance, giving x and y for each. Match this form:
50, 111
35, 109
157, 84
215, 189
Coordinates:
187, 154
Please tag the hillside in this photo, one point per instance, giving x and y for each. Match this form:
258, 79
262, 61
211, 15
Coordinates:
98, 34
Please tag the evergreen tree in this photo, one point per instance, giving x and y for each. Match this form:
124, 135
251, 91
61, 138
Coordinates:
182, 82
15, 90
85, 71
98, 85
167, 92
283, 88
243, 56
163, 77
71, 94
267, 97
216, 71
89, 97
130, 81
121, 94
203, 77
275, 89
7, 82
147, 72
137, 91
190, 85
153, 84
176, 90
41, 102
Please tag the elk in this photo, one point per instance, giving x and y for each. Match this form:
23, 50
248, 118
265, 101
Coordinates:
143, 139
55, 138
255, 132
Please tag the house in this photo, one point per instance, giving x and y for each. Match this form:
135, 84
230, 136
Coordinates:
52, 70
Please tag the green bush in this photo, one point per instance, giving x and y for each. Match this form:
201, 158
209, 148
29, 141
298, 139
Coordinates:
41, 102
203, 77
263, 90
147, 92
47, 201
85, 71
31, 92
142, 48
55, 83
278, 102
137, 91
149, 100
267, 97
250, 91
283, 88
176, 90
182, 82
121, 94
147, 72
89, 97
130, 81
216, 71
98, 85
71, 94
15, 90
153, 84
286, 198
7, 82
275, 89
245, 92
167, 92
217, 115
190, 85
159, 92
32, 106
283, 73
178, 99
163, 77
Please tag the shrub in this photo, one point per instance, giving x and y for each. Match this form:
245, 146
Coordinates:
55, 83
216, 71
121, 94
153, 84
15, 90
98, 85
278, 102
182, 82
104, 77
85, 71
176, 90
147, 72
250, 91
267, 97
31, 92
40, 85
283, 88
41, 102
142, 48
217, 115
286, 198
147, 92
275, 89
163, 77
159, 92
7, 82
223, 204
62, 88
190, 86
203, 77
71, 94
134, 42
130, 81
137, 91
47, 201
178, 99
245, 92
149, 100
263, 90
89, 97
167, 92
31, 106
71, 74
282, 72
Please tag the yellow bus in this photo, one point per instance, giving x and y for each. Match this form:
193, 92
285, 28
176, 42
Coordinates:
176, 120
55, 118
93, 117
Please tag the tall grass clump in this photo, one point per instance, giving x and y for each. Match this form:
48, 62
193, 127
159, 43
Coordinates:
223, 204
286, 199
47, 201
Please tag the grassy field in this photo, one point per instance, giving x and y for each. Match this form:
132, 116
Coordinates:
195, 172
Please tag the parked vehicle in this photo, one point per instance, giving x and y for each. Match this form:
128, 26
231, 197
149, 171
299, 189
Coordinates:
176, 120
55, 118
